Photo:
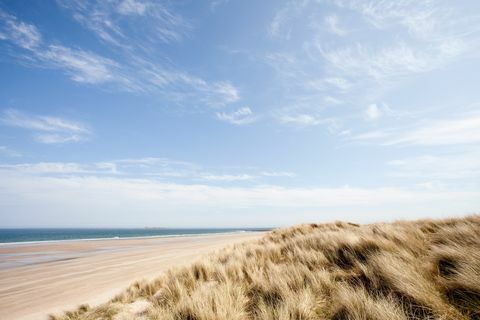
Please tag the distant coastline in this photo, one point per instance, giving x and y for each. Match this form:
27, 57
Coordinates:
19, 236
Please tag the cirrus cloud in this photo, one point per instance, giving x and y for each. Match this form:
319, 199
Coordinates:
47, 129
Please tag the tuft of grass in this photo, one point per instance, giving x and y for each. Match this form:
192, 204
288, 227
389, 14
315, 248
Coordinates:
428, 269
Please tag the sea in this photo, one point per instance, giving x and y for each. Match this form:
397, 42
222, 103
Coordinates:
68, 234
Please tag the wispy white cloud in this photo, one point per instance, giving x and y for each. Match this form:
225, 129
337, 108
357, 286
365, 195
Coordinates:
41, 123
328, 84
396, 60
421, 18
157, 167
55, 138
219, 93
273, 196
277, 22
227, 177
278, 174
45, 167
182, 87
132, 70
459, 130
179, 86
81, 66
46, 129
300, 120
118, 21
62, 168
239, 117
282, 16
108, 166
338, 82
333, 25
132, 7
164, 167
454, 131
332, 100
406, 39
279, 60
23, 34
441, 33
372, 112
151, 168
136, 27
463, 166
371, 135
119, 196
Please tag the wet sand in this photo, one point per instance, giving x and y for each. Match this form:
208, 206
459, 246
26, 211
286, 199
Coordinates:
40, 279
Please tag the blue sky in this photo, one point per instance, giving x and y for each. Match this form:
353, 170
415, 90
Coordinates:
135, 113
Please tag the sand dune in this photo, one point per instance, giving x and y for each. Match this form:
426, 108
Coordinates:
421, 270
38, 279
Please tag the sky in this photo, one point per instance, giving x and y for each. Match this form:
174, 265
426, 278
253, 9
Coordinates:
133, 113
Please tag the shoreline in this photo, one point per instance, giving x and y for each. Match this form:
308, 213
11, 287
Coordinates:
93, 271
20, 243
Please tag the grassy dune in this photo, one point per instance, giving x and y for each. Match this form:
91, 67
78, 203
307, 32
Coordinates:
406, 270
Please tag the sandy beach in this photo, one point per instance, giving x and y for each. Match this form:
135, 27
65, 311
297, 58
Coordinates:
39, 279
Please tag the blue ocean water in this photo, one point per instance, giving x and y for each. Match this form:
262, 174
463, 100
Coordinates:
54, 234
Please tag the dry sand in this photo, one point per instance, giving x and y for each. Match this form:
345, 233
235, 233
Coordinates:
39, 279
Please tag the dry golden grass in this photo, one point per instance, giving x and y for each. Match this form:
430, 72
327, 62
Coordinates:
406, 270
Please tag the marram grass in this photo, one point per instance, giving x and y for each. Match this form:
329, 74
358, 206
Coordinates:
427, 269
